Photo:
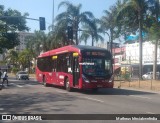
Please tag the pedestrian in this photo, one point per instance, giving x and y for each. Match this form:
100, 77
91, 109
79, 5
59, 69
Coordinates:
5, 78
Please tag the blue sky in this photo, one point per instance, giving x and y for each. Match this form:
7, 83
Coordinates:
44, 8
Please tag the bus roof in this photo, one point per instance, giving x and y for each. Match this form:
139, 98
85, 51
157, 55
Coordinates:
84, 47
71, 48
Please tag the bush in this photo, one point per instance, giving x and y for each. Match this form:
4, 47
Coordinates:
127, 76
15, 70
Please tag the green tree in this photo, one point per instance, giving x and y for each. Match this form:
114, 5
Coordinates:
11, 21
91, 31
57, 37
133, 14
73, 17
37, 43
154, 29
12, 57
108, 23
24, 59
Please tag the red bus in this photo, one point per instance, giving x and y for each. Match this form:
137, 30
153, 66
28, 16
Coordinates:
76, 66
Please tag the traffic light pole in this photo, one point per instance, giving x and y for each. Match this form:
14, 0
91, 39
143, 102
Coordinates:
41, 20
18, 17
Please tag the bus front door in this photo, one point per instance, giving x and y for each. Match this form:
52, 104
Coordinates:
75, 71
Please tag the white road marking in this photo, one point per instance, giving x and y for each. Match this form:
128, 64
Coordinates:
61, 91
13, 80
150, 113
1, 109
16, 85
94, 99
140, 97
19, 86
29, 85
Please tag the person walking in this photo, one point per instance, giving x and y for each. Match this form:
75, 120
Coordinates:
5, 78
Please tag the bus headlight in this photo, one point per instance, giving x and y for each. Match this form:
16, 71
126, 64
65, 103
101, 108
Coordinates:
85, 79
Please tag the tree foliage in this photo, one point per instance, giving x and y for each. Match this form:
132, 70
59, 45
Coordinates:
73, 17
11, 21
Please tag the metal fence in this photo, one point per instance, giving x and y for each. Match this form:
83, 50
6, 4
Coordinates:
132, 80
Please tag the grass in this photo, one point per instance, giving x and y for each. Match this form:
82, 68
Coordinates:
143, 84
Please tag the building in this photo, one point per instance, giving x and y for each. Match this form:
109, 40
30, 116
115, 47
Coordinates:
22, 45
129, 56
22, 37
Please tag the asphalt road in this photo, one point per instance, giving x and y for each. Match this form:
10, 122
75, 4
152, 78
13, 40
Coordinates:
31, 97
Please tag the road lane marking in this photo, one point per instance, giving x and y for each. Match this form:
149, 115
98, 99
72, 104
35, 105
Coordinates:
1, 109
140, 97
19, 86
28, 85
150, 113
94, 99
61, 91
16, 85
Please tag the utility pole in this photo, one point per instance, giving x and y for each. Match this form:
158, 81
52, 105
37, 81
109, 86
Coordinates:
53, 17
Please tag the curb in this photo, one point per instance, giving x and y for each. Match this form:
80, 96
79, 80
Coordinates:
136, 89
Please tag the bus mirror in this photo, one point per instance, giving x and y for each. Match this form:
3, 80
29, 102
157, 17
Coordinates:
54, 57
75, 54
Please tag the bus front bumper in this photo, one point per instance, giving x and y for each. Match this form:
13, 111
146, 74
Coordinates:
98, 85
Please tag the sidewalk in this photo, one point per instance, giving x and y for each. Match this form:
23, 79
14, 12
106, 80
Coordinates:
144, 85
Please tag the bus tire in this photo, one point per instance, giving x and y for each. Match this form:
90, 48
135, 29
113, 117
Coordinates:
67, 85
44, 81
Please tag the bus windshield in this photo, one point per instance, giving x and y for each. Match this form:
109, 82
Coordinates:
97, 66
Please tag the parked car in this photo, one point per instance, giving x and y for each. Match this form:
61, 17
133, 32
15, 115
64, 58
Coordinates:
149, 75
22, 75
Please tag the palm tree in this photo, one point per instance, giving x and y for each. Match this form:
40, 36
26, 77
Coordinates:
133, 12
154, 33
38, 39
91, 31
24, 59
73, 17
12, 57
108, 22
58, 35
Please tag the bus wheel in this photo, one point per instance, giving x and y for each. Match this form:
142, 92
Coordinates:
44, 82
68, 88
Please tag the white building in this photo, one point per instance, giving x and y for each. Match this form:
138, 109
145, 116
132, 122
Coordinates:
22, 36
132, 53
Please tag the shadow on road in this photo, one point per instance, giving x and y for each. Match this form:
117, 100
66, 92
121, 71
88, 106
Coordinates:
39, 102
116, 91
108, 91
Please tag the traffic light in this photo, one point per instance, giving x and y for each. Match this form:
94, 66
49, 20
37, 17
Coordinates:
42, 23
70, 32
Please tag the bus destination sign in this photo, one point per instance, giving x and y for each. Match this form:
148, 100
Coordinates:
95, 53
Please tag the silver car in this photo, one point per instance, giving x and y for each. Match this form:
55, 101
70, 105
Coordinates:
149, 75
22, 75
